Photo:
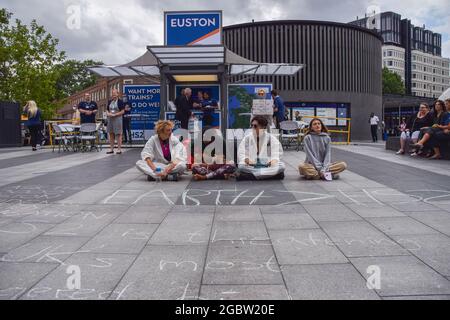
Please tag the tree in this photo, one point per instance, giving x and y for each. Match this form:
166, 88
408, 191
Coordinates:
28, 55
392, 82
74, 77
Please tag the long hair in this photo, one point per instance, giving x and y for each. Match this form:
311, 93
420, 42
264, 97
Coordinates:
31, 109
442, 103
324, 127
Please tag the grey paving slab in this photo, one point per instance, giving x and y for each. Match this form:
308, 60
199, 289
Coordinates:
289, 221
434, 250
437, 220
45, 249
327, 212
15, 234
285, 209
243, 292
415, 207
87, 223
178, 209
121, 238
182, 229
238, 213
404, 275
143, 214
164, 273
401, 226
359, 238
99, 275
375, 211
17, 278
51, 213
304, 247
241, 264
445, 206
238, 231
326, 282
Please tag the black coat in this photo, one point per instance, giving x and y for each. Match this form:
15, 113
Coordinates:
183, 113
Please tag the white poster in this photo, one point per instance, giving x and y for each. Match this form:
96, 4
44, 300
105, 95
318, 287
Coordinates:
262, 107
327, 112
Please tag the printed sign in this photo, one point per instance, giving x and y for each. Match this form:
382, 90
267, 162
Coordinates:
193, 28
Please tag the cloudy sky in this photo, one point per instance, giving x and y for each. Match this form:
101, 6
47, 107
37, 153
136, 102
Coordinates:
117, 31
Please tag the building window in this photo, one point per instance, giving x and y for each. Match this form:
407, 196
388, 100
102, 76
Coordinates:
390, 63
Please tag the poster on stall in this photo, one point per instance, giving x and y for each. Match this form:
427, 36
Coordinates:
262, 107
342, 113
198, 114
303, 114
327, 112
240, 102
144, 101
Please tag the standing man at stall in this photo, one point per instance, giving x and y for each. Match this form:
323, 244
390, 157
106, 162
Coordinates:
278, 108
184, 106
88, 109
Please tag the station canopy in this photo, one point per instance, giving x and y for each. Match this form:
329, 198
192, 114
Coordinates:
150, 62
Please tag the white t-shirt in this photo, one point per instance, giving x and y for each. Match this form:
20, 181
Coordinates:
374, 121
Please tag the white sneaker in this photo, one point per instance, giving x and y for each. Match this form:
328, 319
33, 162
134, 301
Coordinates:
400, 152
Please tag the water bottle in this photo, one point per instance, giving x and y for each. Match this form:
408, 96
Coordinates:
157, 172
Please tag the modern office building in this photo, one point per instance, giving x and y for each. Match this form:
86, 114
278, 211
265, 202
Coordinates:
413, 52
342, 65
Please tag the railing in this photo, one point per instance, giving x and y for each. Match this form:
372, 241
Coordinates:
348, 131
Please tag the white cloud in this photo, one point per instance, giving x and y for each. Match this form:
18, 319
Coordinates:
117, 31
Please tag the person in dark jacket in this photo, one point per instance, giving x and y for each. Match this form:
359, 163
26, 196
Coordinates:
423, 119
278, 108
34, 122
184, 106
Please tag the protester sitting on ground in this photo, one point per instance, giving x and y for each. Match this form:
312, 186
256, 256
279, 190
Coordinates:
259, 154
423, 119
317, 146
164, 156
440, 123
219, 169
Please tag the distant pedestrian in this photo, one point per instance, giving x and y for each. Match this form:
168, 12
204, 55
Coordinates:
374, 121
278, 108
88, 109
34, 122
115, 111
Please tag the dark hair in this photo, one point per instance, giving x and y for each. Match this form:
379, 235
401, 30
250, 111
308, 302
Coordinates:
261, 121
425, 104
274, 92
324, 127
441, 103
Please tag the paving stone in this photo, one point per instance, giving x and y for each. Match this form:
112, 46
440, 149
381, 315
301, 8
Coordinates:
179, 209
436, 220
404, 275
238, 213
238, 231
331, 212
359, 238
304, 247
289, 221
241, 264
243, 292
142, 214
87, 223
434, 250
287, 209
430, 297
401, 226
99, 275
17, 278
375, 211
183, 229
15, 234
121, 238
415, 207
45, 249
164, 273
326, 282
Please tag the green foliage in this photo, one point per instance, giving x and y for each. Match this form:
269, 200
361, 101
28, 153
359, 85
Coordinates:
392, 82
246, 101
32, 67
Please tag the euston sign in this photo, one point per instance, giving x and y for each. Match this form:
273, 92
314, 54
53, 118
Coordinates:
193, 28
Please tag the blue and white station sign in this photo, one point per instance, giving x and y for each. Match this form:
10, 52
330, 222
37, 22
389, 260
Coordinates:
193, 28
